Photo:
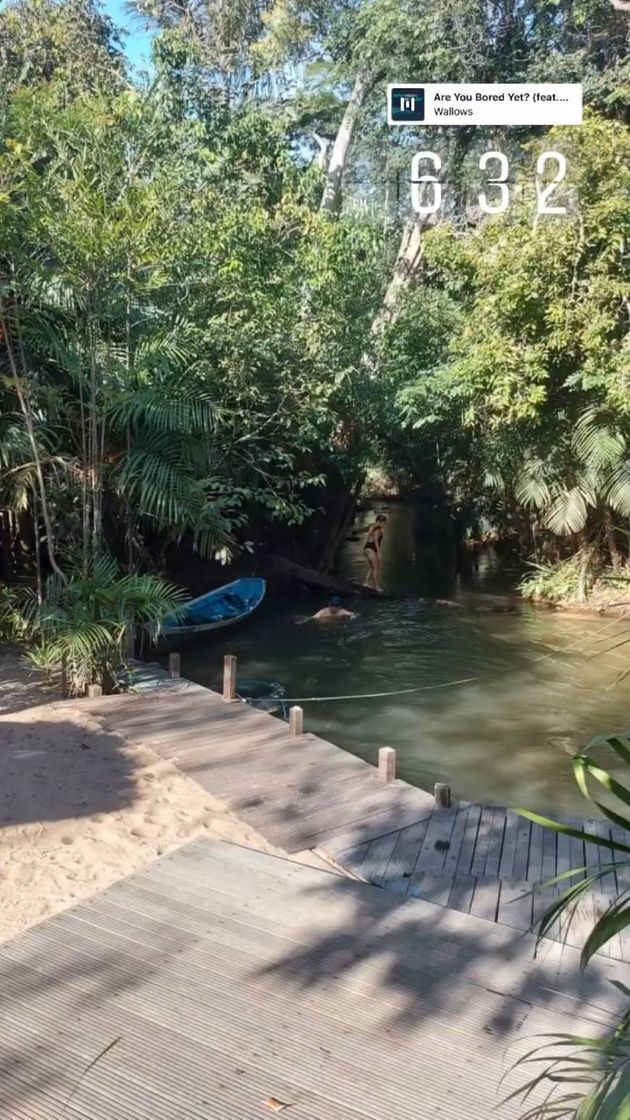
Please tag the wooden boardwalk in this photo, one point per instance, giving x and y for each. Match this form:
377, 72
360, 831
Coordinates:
225, 984
297, 792
304, 793
487, 860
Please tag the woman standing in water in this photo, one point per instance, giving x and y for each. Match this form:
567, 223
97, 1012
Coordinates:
372, 550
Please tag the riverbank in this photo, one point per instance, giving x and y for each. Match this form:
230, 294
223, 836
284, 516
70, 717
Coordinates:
81, 808
598, 605
608, 597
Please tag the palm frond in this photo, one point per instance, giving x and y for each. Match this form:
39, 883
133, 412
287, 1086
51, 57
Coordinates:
567, 512
596, 442
532, 485
616, 488
166, 412
82, 620
578, 1077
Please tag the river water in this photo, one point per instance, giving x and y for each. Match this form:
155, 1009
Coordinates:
536, 685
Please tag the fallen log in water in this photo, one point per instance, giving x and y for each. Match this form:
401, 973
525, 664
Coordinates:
481, 603
290, 569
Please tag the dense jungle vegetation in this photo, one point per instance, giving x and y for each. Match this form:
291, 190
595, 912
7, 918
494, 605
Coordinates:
219, 313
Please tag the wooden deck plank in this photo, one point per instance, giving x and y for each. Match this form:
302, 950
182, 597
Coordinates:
485, 899
535, 859
404, 858
521, 853
578, 921
576, 849
620, 859
495, 847
213, 1009
607, 882
483, 840
563, 853
541, 900
549, 854
377, 858
467, 850
436, 843
462, 891
602, 900
508, 851
431, 888
351, 859
350, 833
372, 797
515, 905
591, 851
456, 840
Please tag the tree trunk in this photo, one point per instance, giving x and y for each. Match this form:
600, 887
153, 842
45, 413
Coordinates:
331, 198
410, 251
279, 565
38, 558
406, 268
343, 521
324, 145
23, 393
7, 569
614, 551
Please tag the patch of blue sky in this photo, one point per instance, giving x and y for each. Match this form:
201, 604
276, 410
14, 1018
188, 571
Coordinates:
135, 37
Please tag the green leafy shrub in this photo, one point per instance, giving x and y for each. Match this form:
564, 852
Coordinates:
82, 620
566, 580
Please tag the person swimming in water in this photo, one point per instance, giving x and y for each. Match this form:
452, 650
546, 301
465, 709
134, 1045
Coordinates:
333, 611
372, 550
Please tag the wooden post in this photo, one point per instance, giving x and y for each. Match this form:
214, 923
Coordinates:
296, 720
442, 795
386, 764
94, 690
229, 677
174, 665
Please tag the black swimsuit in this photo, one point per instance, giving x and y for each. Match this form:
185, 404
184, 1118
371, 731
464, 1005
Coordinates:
370, 544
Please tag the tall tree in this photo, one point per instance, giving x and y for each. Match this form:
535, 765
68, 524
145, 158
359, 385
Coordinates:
70, 41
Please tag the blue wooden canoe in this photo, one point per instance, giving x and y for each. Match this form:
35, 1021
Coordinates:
223, 607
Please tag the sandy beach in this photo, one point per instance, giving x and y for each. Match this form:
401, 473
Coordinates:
81, 808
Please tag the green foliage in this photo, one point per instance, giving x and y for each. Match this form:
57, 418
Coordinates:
81, 622
69, 41
565, 581
531, 386
588, 1078
194, 343
596, 1069
173, 377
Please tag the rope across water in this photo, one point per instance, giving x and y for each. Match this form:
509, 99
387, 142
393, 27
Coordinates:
425, 687
368, 695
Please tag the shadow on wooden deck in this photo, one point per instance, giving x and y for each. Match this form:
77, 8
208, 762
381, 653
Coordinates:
221, 977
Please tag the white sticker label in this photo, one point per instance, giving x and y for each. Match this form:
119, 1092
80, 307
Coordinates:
510, 104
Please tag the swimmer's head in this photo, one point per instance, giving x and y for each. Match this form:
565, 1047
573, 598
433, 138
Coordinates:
334, 602
380, 519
